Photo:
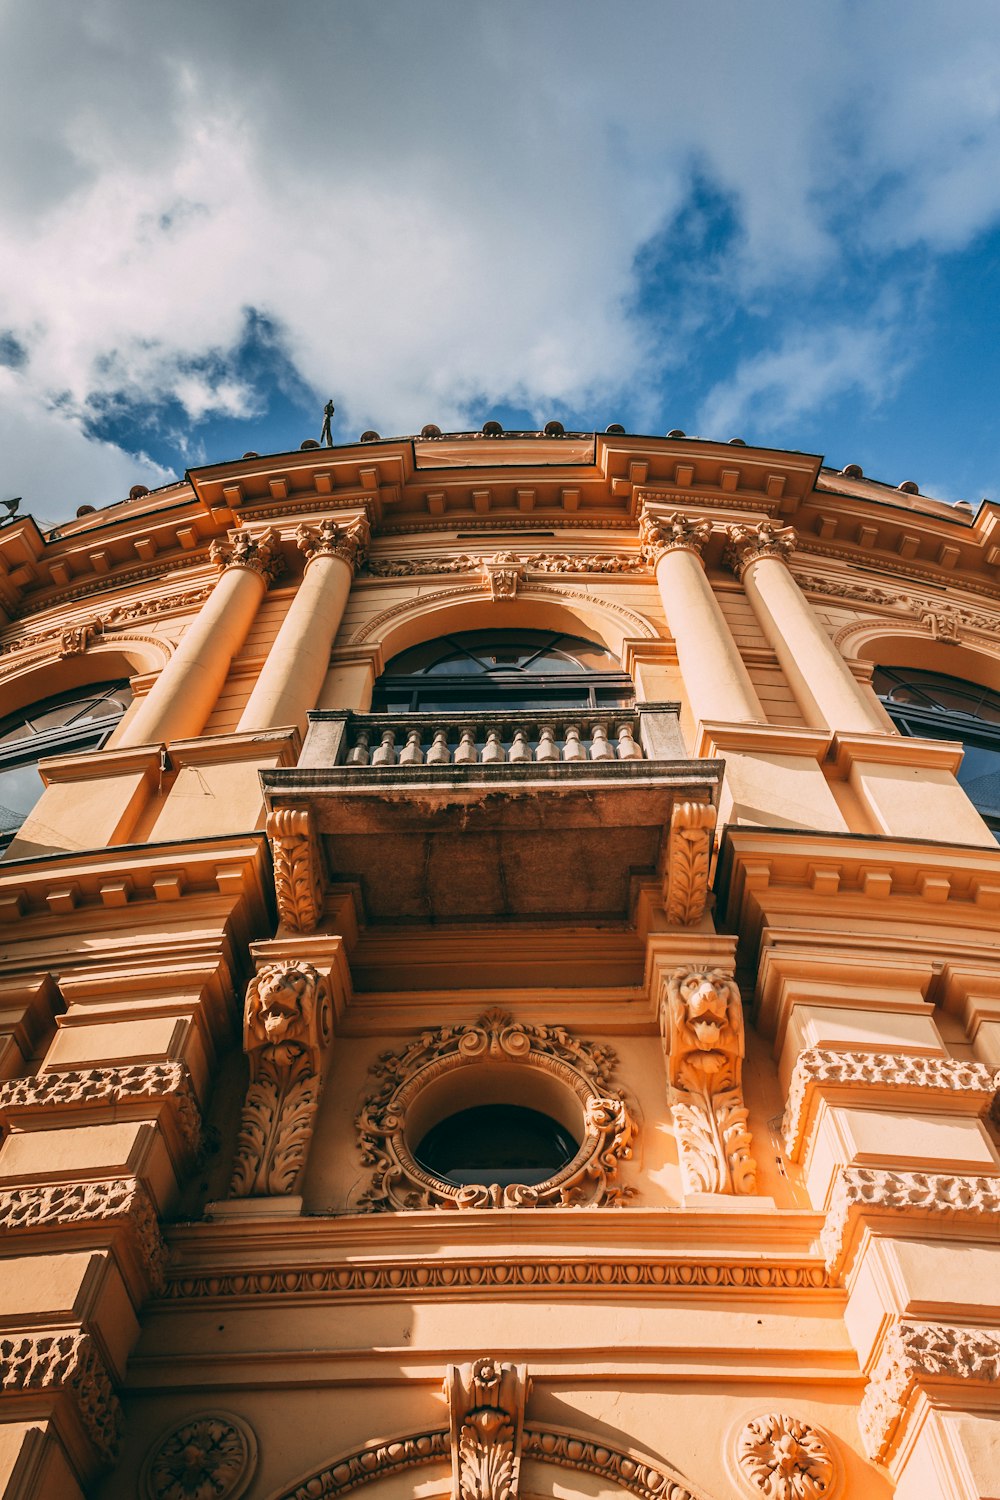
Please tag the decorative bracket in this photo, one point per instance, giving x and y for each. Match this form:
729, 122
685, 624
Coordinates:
689, 857
298, 877
486, 1401
502, 573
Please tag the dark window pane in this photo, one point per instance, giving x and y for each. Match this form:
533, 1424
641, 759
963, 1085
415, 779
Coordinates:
502, 1143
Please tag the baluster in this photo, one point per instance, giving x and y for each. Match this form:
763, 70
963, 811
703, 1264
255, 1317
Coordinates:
360, 755
627, 747
411, 753
546, 747
385, 755
493, 750
599, 747
439, 754
520, 749
465, 750
573, 750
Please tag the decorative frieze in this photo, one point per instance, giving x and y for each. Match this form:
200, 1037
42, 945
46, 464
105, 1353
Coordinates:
330, 538
102, 1087
583, 1068
287, 1028
915, 1354
748, 544
65, 1362
529, 562
673, 533
689, 862
861, 1192
258, 553
394, 1279
214, 1455
486, 1404
820, 1068
783, 1458
701, 1022
298, 881
113, 1201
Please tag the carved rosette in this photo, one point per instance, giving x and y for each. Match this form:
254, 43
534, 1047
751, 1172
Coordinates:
689, 861
210, 1457
783, 1458
748, 544
486, 1403
917, 1354
673, 533
298, 877
287, 1028
242, 549
349, 541
583, 1068
66, 1362
701, 1022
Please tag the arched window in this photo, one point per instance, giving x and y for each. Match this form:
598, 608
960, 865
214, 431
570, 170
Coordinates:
80, 719
936, 706
503, 669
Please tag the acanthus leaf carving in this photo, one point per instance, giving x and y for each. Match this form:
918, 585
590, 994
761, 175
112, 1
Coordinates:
121, 1200
784, 1458
749, 544
701, 1021
862, 1191
692, 825
585, 1068
287, 1027
530, 562
502, 573
673, 533
66, 1361
913, 1354
121, 1085
298, 877
348, 540
486, 1404
259, 552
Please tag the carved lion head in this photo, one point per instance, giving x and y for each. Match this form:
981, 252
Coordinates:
281, 1001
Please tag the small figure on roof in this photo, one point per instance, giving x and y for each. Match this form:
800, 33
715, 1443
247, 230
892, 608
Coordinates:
326, 436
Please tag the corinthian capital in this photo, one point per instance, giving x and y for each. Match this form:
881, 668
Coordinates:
673, 533
333, 539
746, 544
243, 549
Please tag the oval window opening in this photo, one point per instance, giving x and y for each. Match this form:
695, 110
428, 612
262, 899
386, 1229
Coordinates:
496, 1143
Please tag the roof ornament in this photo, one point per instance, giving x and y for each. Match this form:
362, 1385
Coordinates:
326, 436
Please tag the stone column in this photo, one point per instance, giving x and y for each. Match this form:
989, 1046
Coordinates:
292, 677
716, 681
186, 691
823, 684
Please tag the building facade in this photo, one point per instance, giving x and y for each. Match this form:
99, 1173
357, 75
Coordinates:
500, 985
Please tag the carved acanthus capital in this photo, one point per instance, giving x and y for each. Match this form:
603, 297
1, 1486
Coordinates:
689, 862
748, 544
701, 1021
259, 553
502, 573
287, 1027
298, 868
349, 541
783, 1458
673, 533
486, 1403
918, 1354
214, 1455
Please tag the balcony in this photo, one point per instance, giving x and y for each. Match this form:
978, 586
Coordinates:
479, 815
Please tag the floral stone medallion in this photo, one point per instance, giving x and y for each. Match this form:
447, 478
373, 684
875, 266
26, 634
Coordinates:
208, 1457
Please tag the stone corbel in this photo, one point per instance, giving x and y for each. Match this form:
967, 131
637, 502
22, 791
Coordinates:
685, 892
486, 1403
701, 1022
502, 573
298, 877
287, 1029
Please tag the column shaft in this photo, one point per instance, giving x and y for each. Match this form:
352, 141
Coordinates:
292, 677
716, 681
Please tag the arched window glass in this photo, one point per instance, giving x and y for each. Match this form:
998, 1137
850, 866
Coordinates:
504, 669
80, 719
936, 706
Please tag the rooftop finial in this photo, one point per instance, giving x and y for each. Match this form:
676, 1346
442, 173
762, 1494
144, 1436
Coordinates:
326, 436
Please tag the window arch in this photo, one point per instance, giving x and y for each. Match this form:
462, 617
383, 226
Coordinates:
80, 718
504, 669
935, 705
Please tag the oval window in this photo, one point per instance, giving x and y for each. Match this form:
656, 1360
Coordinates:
496, 1143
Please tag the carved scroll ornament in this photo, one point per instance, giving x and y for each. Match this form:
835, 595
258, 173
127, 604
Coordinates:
701, 1021
689, 862
486, 1401
783, 1458
287, 1026
583, 1068
298, 879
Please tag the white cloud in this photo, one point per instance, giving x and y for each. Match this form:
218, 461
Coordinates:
438, 202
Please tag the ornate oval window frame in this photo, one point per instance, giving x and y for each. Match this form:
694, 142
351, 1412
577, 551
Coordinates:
426, 1081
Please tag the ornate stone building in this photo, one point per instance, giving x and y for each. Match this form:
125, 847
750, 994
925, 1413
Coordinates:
500, 988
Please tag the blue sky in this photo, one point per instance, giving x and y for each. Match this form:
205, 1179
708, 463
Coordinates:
779, 221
